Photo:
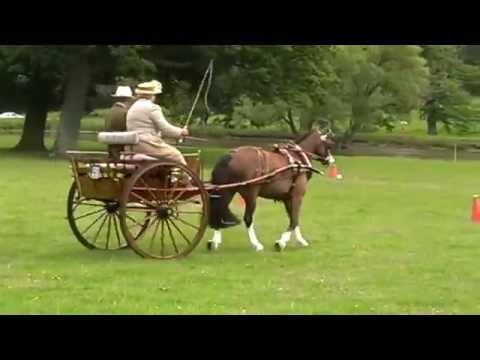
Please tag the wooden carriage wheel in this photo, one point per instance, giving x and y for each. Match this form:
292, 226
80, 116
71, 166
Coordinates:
178, 208
96, 224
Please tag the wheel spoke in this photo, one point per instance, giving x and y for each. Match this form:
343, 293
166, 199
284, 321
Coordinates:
162, 252
188, 224
154, 234
171, 237
86, 204
185, 202
143, 199
182, 193
115, 224
144, 231
180, 231
93, 223
99, 230
139, 209
108, 231
135, 221
165, 184
76, 205
89, 214
190, 212
150, 216
149, 189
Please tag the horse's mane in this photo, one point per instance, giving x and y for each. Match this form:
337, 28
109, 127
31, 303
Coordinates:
303, 137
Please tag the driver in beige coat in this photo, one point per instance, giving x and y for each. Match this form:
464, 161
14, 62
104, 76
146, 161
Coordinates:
147, 119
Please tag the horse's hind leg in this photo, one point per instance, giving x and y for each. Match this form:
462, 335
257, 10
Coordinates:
250, 198
220, 216
214, 244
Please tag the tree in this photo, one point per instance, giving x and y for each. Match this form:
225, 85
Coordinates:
87, 64
374, 82
74, 103
448, 101
294, 78
32, 74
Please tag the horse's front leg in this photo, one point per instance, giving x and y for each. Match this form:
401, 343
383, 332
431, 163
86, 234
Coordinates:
296, 205
297, 199
293, 206
295, 226
281, 244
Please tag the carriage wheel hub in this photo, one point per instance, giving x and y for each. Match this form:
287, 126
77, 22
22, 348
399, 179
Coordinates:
112, 207
165, 212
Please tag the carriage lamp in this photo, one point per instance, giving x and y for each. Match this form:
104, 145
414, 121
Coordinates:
95, 172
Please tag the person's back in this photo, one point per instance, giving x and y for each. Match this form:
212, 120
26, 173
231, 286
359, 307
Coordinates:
116, 118
147, 119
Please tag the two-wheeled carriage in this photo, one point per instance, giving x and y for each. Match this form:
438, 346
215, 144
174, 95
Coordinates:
158, 209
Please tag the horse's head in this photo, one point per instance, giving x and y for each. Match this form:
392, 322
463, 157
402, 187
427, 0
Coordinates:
320, 143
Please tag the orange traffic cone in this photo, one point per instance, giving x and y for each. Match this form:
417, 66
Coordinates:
333, 173
476, 209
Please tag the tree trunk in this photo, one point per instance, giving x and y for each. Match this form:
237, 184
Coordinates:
432, 127
74, 105
353, 127
291, 122
35, 121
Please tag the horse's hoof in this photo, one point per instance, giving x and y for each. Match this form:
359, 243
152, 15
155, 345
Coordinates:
211, 246
279, 247
260, 249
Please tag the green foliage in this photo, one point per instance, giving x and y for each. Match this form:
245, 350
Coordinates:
248, 113
376, 83
348, 88
129, 62
448, 101
293, 78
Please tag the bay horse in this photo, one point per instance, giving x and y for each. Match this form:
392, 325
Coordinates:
289, 187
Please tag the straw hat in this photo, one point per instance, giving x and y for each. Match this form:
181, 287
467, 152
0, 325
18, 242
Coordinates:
123, 92
150, 88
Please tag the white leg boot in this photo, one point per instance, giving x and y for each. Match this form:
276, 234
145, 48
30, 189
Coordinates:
281, 244
214, 244
300, 238
253, 239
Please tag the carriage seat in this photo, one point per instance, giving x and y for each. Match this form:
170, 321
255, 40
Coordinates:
118, 138
117, 141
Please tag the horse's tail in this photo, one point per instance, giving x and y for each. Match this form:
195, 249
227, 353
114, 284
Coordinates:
221, 216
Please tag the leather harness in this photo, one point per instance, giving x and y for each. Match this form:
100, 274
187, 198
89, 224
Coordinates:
301, 161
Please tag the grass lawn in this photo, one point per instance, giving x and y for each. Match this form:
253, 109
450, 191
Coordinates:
393, 237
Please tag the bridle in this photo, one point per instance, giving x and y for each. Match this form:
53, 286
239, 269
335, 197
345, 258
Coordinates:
314, 156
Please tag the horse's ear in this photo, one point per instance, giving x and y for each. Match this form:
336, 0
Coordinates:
316, 128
